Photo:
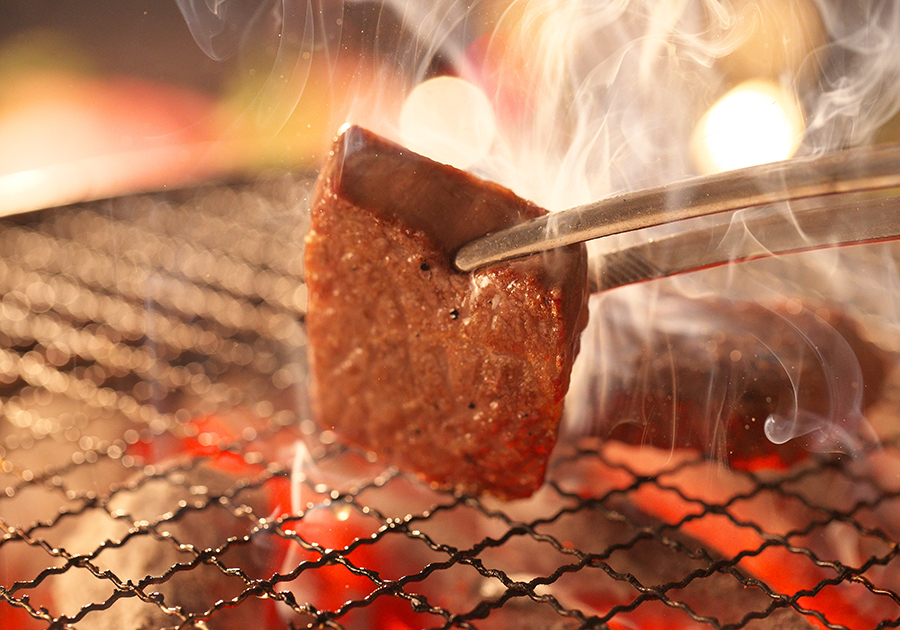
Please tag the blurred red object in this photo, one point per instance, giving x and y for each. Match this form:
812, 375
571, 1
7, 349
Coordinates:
68, 137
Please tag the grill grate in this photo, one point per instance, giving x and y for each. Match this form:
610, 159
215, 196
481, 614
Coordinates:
160, 470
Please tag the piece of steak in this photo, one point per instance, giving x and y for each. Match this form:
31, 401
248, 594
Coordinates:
713, 374
458, 377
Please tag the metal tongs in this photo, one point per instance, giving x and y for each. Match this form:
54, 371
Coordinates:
689, 245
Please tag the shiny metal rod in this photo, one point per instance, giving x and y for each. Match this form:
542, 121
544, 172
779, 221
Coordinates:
864, 168
774, 232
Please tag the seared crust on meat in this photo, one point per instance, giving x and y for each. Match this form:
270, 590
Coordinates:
457, 377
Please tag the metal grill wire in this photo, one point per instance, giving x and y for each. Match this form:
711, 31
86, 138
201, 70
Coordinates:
159, 468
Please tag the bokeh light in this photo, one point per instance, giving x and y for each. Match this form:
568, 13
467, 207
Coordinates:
755, 123
449, 120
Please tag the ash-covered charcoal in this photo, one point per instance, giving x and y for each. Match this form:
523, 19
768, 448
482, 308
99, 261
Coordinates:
747, 384
457, 377
161, 537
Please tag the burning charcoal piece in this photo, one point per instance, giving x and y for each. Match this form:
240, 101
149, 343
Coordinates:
457, 377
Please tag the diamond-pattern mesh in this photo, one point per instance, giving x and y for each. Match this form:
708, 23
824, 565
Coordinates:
159, 468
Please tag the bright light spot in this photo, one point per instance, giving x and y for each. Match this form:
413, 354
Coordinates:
448, 120
343, 513
755, 123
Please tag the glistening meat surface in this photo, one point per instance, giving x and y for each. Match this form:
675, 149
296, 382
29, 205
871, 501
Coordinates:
457, 377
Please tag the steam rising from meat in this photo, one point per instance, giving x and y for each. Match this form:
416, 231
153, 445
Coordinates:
294, 28
595, 97
224, 28
613, 93
844, 381
617, 88
320, 46
729, 378
858, 87
218, 26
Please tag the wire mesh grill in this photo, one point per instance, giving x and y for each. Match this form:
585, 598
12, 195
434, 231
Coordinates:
160, 468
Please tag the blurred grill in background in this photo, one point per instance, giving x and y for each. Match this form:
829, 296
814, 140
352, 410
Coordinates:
160, 468
161, 471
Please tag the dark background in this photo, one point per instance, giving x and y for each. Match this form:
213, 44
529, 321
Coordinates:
132, 37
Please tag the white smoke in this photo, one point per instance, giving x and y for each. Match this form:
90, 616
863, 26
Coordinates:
615, 88
283, 37
859, 86
596, 97
614, 91
287, 40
